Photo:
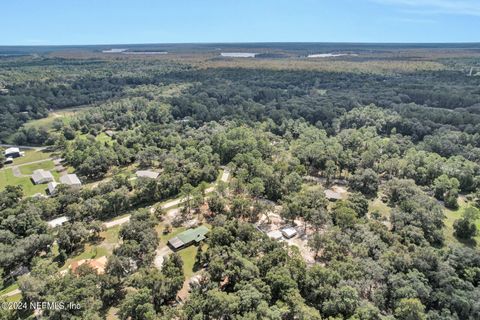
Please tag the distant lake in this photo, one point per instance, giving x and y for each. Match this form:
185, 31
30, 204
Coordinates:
145, 52
329, 55
125, 51
238, 54
114, 50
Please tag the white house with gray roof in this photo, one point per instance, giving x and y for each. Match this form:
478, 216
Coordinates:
71, 180
40, 176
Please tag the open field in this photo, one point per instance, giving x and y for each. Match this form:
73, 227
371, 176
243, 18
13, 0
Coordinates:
30, 156
451, 216
377, 205
29, 189
104, 138
8, 289
63, 115
96, 250
45, 165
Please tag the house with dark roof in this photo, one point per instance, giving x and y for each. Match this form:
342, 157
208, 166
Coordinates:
188, 237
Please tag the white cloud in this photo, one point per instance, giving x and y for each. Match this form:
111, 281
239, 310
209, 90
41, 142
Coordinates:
461, 7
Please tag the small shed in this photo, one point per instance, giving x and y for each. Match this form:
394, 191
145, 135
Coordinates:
275, 235
188, 237
71, 180
332, 195
147, 174
40, 176
289, 232
52, 186
12, 153
57, 221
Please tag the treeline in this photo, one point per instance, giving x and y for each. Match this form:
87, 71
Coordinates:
426, 100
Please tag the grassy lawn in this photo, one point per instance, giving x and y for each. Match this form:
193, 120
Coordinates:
188, 254
29, 189
32, 155
94, 251
8, 289
380, 207
451, 216
104, 138
15, 298
29, 168
47, 123
44, 123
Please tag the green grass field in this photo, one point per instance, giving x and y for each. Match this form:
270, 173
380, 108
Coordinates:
188, 254
94, 251
451, 216
29, 189
47, 123
45, 165
32, 155
8, 289
380, 207
104, 138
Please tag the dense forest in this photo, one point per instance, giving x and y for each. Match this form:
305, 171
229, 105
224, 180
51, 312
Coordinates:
405, 147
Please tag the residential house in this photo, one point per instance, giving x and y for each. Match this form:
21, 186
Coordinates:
40, 176
188, 237
71, 180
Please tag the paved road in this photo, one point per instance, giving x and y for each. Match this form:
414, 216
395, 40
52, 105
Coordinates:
116, 222
15, 167
173, 203
22, 147
161, 252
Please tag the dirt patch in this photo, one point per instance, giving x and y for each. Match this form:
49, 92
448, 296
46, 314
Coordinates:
272, 221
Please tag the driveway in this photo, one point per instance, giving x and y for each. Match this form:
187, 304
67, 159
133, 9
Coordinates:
160, 255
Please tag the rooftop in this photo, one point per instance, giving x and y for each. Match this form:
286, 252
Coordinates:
51, 186
57, 221
70, 179
147, 174
289, 232
275, 235
189, 236
12, 150
330, 194
41, 175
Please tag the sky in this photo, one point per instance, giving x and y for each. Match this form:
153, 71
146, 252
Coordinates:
77, 22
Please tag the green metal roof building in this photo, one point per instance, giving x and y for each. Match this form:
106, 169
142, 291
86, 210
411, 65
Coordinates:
188, 237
